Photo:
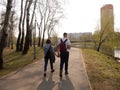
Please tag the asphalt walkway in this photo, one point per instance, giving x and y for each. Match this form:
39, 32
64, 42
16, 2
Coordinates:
31, 76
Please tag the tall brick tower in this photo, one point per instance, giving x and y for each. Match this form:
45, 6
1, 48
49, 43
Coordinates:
107, 17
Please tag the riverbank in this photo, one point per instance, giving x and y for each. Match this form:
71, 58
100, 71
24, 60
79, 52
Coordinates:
103, 71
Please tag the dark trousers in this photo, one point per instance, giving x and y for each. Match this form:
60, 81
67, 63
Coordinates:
64, 58
46, 63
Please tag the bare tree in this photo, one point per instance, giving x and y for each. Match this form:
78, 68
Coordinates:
50, 12
4, 31
31, 23
28, 31
12, 27
56, 15
23, 26
39, 24
20, 22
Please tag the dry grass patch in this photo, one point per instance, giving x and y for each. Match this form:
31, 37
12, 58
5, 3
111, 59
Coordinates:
103, 71
15, 60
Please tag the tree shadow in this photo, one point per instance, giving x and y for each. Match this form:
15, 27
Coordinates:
47, 84
65, 84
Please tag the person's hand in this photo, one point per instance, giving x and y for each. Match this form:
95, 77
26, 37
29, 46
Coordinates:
68, 46
58, 54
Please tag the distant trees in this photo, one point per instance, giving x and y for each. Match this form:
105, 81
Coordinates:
11, 27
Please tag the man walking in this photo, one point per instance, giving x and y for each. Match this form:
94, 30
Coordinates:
64, 46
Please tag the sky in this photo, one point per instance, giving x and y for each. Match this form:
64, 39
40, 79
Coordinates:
84, 15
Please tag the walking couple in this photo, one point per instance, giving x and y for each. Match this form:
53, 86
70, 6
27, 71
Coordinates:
63, 47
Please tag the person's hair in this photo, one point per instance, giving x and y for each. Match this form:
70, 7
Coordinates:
65, 34
48, 41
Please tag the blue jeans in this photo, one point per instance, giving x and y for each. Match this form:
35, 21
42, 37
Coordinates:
64, 58
46, 63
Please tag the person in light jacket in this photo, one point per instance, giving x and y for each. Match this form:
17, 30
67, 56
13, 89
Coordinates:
48, 56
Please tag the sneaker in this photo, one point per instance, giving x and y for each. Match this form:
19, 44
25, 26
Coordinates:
44, 74
60, 75
66, 73
52, 70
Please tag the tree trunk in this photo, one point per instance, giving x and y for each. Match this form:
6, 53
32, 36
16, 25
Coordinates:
30, 41
1, 58
43, 39
20, 22
11, 30
23, 23
22, 40
27, 38
4, 31
31, 23
40, 32
98, 48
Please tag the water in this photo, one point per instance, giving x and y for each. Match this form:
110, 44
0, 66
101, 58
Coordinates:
117, 54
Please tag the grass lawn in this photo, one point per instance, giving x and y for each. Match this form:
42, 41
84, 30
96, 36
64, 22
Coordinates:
103, 71
15, 60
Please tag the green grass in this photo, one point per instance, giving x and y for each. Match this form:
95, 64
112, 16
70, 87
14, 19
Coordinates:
15, 60
103, 71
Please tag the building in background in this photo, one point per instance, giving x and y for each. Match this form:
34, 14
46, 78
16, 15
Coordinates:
107, 17
86, 36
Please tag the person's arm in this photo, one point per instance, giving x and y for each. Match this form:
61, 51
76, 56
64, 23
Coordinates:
58, 49
45, 50
68, 44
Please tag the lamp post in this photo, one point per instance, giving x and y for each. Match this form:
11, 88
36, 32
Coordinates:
34, 39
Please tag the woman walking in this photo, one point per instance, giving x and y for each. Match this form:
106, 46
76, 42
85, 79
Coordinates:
48, 56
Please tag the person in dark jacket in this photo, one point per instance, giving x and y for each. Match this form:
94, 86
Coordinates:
48, 56
64, 55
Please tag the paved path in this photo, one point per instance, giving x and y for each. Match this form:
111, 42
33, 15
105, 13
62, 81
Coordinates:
31, 77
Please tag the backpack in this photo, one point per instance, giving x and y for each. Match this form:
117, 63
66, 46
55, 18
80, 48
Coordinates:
62, 46
48, 54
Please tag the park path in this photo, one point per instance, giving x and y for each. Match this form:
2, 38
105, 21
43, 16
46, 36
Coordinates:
31, 76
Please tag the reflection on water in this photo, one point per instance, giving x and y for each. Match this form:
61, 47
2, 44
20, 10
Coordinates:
112, 52
117, 53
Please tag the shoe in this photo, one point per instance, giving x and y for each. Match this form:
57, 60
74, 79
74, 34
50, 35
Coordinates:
66, 73
60, 75
52, 70
44, 74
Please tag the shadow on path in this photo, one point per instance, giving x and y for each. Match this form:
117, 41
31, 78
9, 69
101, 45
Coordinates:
47, 84
65, 84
